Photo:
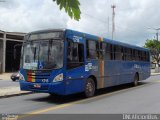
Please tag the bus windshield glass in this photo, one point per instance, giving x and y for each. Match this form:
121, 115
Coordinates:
38, 55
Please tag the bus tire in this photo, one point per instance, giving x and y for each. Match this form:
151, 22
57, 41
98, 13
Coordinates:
90, 88
136, 79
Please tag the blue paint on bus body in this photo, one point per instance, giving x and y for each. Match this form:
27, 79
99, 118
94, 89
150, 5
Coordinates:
116, 72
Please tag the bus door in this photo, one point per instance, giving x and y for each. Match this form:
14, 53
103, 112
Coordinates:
75, 73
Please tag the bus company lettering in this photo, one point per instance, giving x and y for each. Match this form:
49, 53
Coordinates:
137, 66
76, 38
89, 66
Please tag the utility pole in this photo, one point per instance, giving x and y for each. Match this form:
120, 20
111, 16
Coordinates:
108, 26
157, 30
113, 20
157, 33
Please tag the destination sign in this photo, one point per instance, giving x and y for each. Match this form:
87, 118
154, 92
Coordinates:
47, 35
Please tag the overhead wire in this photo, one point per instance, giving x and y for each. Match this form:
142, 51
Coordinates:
105, 22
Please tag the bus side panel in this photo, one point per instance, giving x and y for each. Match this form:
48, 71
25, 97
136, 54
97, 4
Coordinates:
111, 73
145, 70
96, 68
75, 80
129, 69
121, 72
75, 86
126, 72
118, 72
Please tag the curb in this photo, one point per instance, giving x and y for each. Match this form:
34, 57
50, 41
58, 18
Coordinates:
154, 74
16, 94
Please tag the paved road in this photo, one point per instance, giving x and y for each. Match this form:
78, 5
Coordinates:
8, 83
121, 99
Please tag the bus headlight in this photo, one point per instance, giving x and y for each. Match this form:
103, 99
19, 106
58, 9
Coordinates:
58, 78
21, 77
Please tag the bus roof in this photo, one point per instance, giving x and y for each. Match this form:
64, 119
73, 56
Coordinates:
47, 30
94, 37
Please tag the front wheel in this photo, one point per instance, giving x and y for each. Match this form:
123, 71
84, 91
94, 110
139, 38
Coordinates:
90, 88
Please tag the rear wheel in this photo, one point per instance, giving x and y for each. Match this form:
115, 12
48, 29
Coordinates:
136, 79
90, 88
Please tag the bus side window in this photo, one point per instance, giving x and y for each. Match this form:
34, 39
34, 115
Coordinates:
69, 53
125, 53
81, 52
140, 56
102, 50
118, 55
133, 55
122, 52
112, 51
129, 54
148, 57
92, 49
75, 55
136, 54
108, 50
145, 56
75, 52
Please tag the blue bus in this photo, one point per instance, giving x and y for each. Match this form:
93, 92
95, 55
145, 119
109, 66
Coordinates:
63, 62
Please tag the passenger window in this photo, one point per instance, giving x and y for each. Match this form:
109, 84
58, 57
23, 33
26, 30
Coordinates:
148, 57
102, 50
129, 54
118, 55
124, 53
92, 49
75, 52
108, 55
136, 54
75, 55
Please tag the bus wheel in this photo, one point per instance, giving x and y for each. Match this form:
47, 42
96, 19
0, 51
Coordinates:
90, 88
136, 79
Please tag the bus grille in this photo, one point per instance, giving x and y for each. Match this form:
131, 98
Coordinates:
38, 77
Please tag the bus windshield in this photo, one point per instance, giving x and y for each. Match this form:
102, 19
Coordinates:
38, 55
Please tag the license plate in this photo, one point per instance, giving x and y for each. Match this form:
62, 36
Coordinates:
37, 86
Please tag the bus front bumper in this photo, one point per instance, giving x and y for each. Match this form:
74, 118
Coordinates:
57, 88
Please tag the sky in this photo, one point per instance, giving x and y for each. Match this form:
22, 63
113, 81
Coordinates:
135, 20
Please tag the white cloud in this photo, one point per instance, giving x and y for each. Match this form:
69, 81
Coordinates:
133, 17
31, 15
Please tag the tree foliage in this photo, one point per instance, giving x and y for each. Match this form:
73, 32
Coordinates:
71, 7
154, 46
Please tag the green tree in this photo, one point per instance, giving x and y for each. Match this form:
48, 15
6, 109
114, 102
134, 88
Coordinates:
71, 7
154, 46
